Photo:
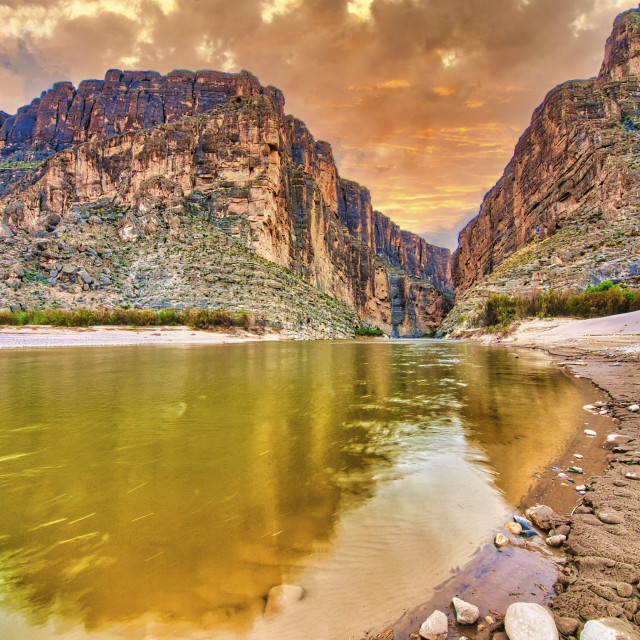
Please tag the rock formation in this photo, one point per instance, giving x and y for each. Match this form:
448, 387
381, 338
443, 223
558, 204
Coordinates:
238, 163
564, 213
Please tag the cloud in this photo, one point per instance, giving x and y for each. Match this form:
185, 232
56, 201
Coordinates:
415, 96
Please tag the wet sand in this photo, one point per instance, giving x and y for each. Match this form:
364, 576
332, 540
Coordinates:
595, 573
45, 337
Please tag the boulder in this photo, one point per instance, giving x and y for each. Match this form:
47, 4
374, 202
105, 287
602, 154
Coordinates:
466, 613
609, 629
529, 621
435, 627
282, 596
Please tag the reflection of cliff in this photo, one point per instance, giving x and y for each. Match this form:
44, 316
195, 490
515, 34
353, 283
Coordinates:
520, 413
188, 491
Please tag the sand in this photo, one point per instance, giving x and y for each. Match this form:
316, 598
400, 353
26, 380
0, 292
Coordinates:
45, 337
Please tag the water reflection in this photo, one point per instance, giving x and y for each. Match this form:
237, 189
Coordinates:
184, 483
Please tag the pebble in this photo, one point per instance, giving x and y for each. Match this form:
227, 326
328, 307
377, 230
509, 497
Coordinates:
589, 407
581, 487
500, 540
562, 530
555, 541
435, 627
514, 528
608, 629
625, 590
575, 470
567, 626
610, 517
466, 613
541, 516
620, 483
634, 407
282, 596
529, 621
523, 522
529, 533
562, 475
632, 476
578, 456
590, 432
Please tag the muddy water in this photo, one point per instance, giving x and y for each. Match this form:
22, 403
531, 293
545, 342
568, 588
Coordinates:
161, 492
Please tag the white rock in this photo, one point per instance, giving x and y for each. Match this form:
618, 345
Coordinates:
578, 456
282, 596
589, 407
528, 621
590, 432
435, 627
466, 613
609, 629
555, 541
634, 407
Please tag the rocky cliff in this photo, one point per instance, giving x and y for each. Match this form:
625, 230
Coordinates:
564, 213
241, 167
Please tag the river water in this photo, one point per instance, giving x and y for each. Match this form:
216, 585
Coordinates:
158, 492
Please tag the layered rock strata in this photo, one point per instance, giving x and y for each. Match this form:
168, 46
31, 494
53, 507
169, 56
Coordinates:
576, 169
234, 167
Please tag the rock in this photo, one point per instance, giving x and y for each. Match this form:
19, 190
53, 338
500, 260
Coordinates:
581, 487
624, 589
562, 530
555, 541
634, 407
610, 517
529, 621
514, 528
589, 407
566, 626
282, 596
523, 522
466, 613
541, 516
590, 432
435, 627
632, 475
500, 635
615, 439
609, 629
500, 540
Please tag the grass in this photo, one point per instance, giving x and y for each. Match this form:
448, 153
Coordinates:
16, 165
369, 331
82, 317
604, 299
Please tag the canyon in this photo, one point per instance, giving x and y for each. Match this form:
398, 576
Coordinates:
151, 156
565, 212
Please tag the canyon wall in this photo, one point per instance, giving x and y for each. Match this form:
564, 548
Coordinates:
575, 166
235, 167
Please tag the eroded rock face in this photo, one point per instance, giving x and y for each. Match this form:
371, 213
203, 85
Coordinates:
575, 166
237, 168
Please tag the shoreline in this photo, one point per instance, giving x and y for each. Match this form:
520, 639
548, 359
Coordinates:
595, 572
45, 337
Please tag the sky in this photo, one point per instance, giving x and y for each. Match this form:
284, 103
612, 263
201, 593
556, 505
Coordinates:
422, 101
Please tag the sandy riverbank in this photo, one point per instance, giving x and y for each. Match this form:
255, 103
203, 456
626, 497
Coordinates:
597, 570
45, 337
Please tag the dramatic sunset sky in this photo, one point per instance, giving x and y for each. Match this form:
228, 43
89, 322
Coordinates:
422, 100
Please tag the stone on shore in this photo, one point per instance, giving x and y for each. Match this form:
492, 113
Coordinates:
555, 541
514, 528
466, 613
566, 626
609, 629
541, 516
634, 407
610, 517
435, 627
529, 621
500, 540
282, 596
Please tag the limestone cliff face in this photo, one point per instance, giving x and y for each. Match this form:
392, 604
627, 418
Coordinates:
576, 164
233, 166
123, 101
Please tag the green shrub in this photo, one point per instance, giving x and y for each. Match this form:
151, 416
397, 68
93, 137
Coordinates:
369, 331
